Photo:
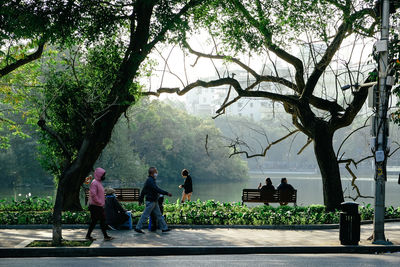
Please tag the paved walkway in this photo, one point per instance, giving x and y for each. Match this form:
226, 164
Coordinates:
203, 237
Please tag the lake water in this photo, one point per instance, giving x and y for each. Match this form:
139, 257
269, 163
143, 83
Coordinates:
308, 185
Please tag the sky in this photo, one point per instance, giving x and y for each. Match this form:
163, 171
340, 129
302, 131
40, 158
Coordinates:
184, 72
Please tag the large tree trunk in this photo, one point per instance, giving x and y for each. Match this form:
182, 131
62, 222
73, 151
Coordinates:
329, 168
73, 176
57, 212
90, 151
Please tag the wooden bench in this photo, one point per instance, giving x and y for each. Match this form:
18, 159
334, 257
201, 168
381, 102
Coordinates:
269, 196
123, 194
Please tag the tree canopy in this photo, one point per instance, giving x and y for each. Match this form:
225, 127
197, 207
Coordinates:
279, 32
172, 140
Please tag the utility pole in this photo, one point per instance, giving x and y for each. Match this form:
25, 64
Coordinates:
381, 128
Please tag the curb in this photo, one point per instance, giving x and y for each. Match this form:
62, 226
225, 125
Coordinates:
175, 251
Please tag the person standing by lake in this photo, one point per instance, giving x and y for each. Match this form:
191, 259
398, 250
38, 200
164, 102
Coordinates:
96, 204
152, 192
187, 186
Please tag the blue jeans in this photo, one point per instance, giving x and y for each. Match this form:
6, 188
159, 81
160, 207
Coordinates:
152, 206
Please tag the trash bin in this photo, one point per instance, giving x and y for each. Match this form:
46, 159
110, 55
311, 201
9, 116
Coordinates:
349, 223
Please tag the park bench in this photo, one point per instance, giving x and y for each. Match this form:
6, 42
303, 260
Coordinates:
122, 194
269, 196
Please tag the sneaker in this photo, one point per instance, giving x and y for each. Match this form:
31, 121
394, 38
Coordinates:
139, 231
166, 230
90, 238
108, 238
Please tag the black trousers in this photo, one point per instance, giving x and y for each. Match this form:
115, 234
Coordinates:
97, 214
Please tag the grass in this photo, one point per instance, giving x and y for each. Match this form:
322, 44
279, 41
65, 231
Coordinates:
64, 243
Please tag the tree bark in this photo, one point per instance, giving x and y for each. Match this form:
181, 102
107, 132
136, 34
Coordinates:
329, 168
57, 213
89, 152
67, 197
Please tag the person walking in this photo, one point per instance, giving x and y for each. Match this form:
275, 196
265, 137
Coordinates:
96, 204
153, 218
187, 186
152, 192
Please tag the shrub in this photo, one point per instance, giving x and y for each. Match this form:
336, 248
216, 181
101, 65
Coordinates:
38, 211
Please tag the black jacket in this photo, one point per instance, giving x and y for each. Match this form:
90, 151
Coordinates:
115, 213
267, 187
151, 190
285, 187
187, 185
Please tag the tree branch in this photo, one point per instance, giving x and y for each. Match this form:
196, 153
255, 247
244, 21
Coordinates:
42, 124
354, 177
294, 61
325, 61
262, 154
309, 141
292, 99
223, 57
171, 22
351, 111
9, 68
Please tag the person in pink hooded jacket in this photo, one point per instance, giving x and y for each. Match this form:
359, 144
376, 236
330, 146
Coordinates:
96, 204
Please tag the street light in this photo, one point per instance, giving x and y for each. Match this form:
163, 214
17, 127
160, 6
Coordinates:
381, 130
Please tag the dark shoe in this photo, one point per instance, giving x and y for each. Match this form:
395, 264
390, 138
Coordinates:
139, 231
90, 238
108, 238
166, 230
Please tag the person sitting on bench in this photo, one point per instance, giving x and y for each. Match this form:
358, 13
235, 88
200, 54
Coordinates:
285, 189
116, 215
265, 189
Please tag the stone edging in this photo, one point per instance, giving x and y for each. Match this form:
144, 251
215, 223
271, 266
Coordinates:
188, 250
183, 226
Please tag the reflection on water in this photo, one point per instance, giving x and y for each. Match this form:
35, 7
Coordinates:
309, 189
22, 192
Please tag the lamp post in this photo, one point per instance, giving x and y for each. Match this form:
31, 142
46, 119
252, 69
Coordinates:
381, 129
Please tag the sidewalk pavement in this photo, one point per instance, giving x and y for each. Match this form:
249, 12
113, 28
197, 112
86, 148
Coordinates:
200, 240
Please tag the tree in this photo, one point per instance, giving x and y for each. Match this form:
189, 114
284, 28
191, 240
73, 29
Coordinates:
88, 97
173, 140
265, 27
26, 28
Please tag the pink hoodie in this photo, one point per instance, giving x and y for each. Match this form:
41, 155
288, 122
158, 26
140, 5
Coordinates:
96, 192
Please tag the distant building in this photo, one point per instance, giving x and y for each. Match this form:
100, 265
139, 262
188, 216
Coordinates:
206, 101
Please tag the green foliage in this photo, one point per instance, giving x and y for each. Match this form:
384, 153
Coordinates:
177, 141
28, 204
193, 213
253, 25
64, 243
77, 90
394, 57
122, 162
15, 109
